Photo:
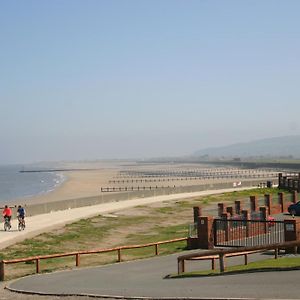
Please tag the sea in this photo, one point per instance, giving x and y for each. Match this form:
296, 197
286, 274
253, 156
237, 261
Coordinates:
17, 185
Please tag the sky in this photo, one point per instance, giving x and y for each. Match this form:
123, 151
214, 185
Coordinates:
101, 79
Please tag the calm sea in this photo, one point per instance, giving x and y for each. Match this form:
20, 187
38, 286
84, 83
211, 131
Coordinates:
16, 185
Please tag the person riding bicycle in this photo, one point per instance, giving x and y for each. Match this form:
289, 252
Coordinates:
21, 214
7, 212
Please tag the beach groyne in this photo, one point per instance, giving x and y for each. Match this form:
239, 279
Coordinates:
55, 170
43, 208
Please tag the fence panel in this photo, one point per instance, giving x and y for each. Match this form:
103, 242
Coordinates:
247, 233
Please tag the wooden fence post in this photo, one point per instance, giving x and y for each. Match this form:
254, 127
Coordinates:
119, 255
77, 259
222, 262
156, 249
181, 268
2, 270
213, 267
37, 265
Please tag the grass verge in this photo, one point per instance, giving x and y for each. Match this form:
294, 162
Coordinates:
280, 264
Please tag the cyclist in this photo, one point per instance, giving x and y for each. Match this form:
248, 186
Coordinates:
7, 212
21, 215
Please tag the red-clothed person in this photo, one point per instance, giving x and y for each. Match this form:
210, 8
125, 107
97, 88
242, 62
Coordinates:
7, 212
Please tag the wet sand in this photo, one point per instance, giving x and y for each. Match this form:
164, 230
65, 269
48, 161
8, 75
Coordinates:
78, 184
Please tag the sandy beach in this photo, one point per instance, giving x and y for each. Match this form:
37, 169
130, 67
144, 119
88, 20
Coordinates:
80, 195
82, 180
88, 181
78, 184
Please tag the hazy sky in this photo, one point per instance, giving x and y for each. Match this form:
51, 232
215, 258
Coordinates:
122, 79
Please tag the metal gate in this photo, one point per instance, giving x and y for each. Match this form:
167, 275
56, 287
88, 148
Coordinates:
247, 233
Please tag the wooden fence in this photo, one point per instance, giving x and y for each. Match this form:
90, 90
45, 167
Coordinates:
77, 254
134, 188
221, 254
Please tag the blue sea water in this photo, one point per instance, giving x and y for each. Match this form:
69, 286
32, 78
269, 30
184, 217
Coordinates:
17, 185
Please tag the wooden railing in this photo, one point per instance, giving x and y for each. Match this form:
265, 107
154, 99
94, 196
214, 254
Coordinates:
221, 254
77, 254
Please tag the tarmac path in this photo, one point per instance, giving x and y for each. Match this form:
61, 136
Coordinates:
145, 278
142, 278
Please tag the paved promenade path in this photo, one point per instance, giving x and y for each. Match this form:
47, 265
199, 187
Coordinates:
46, 222
145, 278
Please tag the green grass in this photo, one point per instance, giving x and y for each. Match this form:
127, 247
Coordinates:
165, 210
282, 263
158, 233
164, 249
78, 236
75, 236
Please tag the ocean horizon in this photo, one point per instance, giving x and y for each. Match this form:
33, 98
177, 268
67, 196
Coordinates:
16, 185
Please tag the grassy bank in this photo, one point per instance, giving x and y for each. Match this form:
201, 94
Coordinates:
140, 225
280, 264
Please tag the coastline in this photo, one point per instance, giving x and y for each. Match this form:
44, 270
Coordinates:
82, 186
76, 184
80, 195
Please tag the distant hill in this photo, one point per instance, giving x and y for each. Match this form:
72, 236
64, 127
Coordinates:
279, 147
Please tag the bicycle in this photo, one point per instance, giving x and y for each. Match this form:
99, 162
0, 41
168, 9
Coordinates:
7, 225
21, 225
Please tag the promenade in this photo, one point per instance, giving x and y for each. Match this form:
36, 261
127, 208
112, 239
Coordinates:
45, 222
145, 278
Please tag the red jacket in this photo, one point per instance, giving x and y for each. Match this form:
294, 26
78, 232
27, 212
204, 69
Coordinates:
7, 212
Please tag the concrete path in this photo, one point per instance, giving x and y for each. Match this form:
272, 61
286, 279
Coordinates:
145, 278
46, 222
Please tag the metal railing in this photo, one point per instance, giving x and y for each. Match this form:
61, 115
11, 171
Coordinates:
247, 233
